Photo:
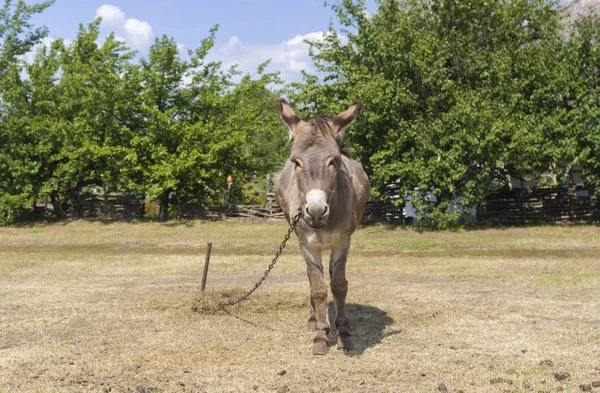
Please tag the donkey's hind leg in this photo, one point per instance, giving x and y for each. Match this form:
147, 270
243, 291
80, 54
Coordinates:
339, 288
318, 294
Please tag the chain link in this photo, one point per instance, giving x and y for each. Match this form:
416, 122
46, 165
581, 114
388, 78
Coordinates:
243, 297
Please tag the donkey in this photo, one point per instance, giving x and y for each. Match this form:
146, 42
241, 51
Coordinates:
331, 189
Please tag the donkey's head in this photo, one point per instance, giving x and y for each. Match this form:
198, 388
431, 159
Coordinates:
317, 157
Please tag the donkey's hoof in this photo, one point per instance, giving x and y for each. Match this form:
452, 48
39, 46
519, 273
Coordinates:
344, 342
311, 326
320, 348
320, 343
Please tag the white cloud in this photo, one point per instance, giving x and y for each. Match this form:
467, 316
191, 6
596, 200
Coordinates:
136, 33
290, 56
139, 33
112, 17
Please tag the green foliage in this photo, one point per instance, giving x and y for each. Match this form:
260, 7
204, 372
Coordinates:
457, 95
21, 111
167, 128
580, 139
199, 126
17, 35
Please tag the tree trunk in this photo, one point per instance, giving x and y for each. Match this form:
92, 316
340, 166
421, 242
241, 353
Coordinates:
164, 206
143, 209
58, 210
570, 176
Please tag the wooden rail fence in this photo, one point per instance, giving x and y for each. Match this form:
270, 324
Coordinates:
540, 205
107, 207
375, 212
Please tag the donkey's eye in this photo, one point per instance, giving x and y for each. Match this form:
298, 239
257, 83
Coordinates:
332, 163
297, 164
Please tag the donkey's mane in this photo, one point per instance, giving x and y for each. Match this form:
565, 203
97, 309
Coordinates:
323, 126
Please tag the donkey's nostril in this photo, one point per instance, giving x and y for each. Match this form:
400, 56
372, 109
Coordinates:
326, 210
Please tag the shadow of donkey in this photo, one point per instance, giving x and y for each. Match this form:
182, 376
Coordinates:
368, 326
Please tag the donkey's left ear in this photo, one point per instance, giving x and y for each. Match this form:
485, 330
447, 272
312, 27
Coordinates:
343, 120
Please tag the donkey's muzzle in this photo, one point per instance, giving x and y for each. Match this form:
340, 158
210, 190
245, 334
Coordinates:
316, 210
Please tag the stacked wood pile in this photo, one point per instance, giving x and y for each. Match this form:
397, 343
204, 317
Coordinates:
540, 205
106, 207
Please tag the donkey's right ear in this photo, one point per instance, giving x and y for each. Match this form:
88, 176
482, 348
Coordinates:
290, 117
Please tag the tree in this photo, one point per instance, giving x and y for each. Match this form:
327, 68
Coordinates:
18, 112
170, 128
457, 94
197, 125
580, 137
95, 107
17, 35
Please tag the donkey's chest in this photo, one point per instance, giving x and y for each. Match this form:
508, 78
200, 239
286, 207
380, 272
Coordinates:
322, 239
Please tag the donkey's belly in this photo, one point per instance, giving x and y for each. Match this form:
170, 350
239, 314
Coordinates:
322, 239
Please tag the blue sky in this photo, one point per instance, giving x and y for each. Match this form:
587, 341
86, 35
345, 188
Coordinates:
251, 31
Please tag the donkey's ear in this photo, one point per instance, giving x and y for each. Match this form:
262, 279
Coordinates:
289, 116
344, 119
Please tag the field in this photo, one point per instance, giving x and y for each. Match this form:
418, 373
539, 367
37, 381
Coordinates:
97, 307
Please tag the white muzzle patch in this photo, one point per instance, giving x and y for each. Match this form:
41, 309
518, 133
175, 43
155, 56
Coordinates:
316, 204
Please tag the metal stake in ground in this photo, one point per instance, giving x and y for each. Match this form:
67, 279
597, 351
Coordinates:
206, 261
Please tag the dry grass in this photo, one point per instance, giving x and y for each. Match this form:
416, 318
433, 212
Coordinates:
92, 306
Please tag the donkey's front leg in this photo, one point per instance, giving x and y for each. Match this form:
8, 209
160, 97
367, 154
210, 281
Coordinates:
339, 288
318, 294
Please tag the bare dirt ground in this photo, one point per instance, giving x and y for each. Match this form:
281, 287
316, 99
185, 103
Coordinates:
93, 307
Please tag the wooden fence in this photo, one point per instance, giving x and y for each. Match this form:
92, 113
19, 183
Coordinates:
540, 205
107, 207
375, 212
384, 213
190, 211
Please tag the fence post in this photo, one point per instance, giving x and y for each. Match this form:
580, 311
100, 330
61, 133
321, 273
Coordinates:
206, 261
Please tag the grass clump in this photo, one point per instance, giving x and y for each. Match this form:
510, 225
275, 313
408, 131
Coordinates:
208, 302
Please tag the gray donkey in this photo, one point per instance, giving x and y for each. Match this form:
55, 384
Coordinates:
332, 190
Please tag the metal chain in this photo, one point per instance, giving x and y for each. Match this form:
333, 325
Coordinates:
293, 224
